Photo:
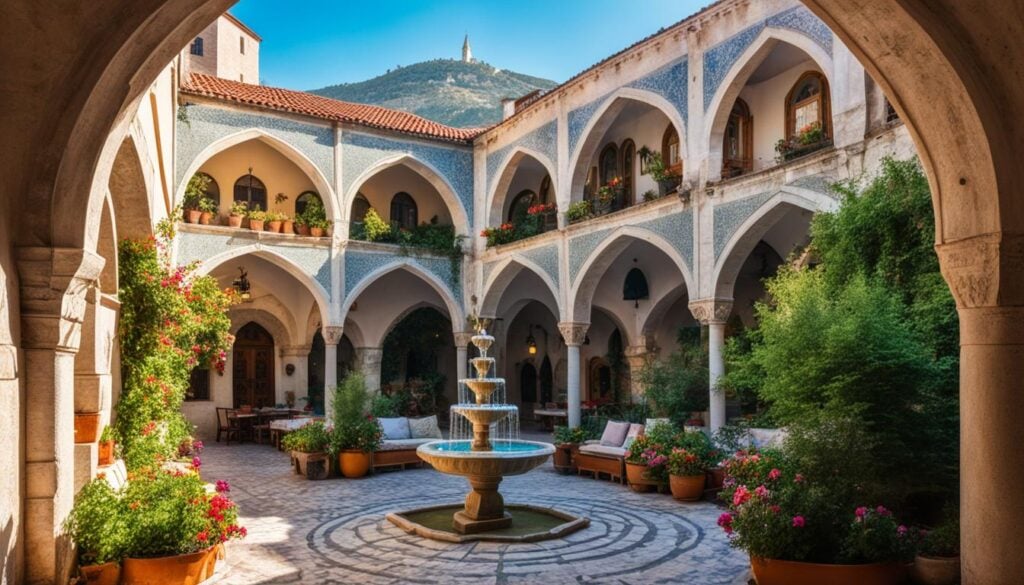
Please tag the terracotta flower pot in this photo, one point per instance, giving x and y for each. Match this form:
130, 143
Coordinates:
256, 225
775, 572
635, 478
210, 566
355, 463
936, 570
205, 217
311, 465
689, 488
288, 227
105, 574
302, 229
106, 453
316, 232
174, 570
235, 221
716, 478
564, 458
273, 226
87, 427
192, 215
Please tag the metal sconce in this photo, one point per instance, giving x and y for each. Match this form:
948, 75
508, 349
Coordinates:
531, 343
242, 286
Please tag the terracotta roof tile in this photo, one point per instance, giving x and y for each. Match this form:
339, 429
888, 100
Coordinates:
299, 102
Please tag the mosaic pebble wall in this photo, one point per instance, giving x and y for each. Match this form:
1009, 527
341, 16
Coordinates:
543, 140
358, 265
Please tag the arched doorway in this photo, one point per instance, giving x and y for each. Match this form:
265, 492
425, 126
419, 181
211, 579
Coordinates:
252, 374
528, 383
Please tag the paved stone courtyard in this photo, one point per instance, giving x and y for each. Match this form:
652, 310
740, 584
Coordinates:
334, 531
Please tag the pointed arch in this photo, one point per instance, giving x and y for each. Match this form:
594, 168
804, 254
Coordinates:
502, 276
265, 319
460, 218
659, 309
581, 293
130, 191
455, 312
605, 117
320, 294
408, 311
754, 228
725, 95
498, 193
307, 166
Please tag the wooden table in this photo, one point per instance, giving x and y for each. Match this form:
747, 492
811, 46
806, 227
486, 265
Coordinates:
551, 415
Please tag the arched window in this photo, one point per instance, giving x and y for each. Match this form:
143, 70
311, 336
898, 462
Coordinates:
403, 211
808, 104
545, 189
359, 207
635, 287
520, 204
250, 189
197, 47
670, 153
303, 200
628, 151
609, 163
738, 146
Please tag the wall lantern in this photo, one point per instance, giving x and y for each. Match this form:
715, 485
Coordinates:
635, 288
531, 343
242, 286
289, 369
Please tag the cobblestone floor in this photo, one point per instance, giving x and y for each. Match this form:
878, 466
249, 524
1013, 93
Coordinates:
334, 531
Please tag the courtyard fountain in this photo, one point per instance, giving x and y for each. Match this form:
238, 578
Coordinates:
484, 447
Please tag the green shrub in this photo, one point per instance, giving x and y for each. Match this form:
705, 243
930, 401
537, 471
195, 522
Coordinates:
353, 428
578, 211
678, 386
386, 406
97, 524
311, 438
374, 227
566, 435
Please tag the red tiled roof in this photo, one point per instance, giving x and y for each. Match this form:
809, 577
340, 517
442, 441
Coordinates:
299, 102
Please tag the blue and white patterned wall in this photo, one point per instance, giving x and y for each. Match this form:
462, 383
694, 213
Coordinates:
362, 151
543, 140
359, 265
728, 217
718, 60
676, 228
205, 125
546, 257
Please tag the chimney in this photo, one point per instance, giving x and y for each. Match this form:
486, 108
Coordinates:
508, 108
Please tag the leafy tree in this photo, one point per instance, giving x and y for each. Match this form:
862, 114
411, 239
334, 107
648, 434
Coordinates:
678, 386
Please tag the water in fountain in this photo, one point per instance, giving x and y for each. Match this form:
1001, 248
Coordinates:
483, 393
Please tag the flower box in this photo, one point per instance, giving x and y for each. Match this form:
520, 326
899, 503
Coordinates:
776, 572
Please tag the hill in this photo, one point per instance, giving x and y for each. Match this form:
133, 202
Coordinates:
453, 92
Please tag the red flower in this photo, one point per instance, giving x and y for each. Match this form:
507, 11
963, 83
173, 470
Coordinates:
196, 463
202, 536
725, 521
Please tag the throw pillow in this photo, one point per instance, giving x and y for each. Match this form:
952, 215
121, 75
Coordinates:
614, 434
425, 428
395, 428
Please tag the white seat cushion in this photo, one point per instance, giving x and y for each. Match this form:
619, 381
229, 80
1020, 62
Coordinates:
401, 444
395, 428
603, 451
425, 428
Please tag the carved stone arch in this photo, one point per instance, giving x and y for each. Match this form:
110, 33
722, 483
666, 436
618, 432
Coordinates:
455, 311
450, 197
106, 246
628, 333
505, 273
659, 309
750, 232
405, 313
582, 291
506, 172
300, 160
265, 319
604, 118
717, 112
130, 193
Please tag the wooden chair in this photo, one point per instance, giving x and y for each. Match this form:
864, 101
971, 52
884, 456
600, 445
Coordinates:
227, 425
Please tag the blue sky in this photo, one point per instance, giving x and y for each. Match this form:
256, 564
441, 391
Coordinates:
308, 44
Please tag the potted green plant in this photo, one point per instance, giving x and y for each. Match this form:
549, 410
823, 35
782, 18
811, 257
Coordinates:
567, 445
257, 217
687, 474
356, 433
668, 179
96, 524
578, 211
318, 228
301, 225
287, 224
497, 236
308, 446
195, 192
274, 220
207, 209
105, 454
315, 216
938, 558
239, 209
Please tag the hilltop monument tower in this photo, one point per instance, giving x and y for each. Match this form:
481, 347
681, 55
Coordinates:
467, 52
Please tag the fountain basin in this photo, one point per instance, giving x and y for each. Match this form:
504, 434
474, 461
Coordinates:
506, 458
530, 524
484, 415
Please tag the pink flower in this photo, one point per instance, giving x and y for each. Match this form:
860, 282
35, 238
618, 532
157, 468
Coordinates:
775, 509
901, 530
774, 474
798, 522
761, 492
881, 511
799, 478
222, 486
725, 521
196, 463
860, 513
740, 496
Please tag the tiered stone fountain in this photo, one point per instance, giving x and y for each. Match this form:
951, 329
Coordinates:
485, 448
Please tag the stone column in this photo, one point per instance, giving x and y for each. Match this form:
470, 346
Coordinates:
713, 313
985, 275
298, 382
462, 341
637, 357
369, 365
93, 380
574, 335
53, 287
332, 336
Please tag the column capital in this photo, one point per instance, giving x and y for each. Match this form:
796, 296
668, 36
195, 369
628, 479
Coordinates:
295, 350
332, 334
463, 338
54, 284
574, 333
711, 310
981, 270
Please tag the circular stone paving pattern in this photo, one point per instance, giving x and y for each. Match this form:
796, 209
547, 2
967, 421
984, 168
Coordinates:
633, 538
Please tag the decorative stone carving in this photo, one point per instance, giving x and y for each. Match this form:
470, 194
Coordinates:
574, 333
332, 334
54, 283
463, 339
711, 310
974, 269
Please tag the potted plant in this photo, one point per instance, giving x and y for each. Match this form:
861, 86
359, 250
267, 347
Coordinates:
938, 558
546, 214
239, 209
106, 447
687, 474
668, 179
578, 211
356, 434
315, 216
87, 427
646, 464
308, 446
207, 208
195, 193
96, 525
287, 224
301, 225
256, 218
273, 223
567, 445
497, 236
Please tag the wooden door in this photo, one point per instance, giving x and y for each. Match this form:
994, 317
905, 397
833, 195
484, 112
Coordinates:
253, 367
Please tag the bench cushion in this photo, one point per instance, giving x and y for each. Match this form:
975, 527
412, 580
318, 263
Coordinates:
425, 428
395, 428
614, 433
401, 444
603, 451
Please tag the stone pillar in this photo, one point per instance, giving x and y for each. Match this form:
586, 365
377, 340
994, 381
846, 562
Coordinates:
637, 357
93, 380
984, 274
332, 336
53, 287
462, 341
574, 335
713, 313
369, 365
